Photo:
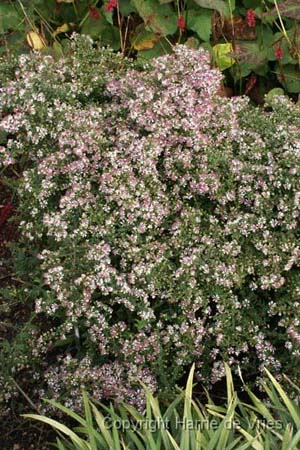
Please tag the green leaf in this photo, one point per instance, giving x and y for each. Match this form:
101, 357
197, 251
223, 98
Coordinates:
221, 58
106, 434
60, 427
187, 413
126, 7
251, 3
289, 77
144, 40
10, 19
251, 54
108, 15
103, 31
294, 441
269, 97
89, 421
192, 42
160, 19
60, 445
159, 49
279, 40
293, 409
3, 137
94, 28
219, 5
250, 58
200, 22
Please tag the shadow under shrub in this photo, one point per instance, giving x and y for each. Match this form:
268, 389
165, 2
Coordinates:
160, 221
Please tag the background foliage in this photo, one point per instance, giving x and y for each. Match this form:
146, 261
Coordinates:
256, 42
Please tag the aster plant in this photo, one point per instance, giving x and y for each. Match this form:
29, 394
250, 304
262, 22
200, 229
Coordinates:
160, 221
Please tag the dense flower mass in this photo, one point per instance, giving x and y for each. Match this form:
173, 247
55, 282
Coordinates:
162, 220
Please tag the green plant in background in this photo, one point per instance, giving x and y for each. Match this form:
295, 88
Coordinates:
255, 42
184, 424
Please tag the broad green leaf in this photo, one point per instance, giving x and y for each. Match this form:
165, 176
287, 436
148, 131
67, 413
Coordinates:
250, 53
221, 57
94, 28
160, 19
144, 40
200, 21
219, 5
251, 3
10, 18
289, 77
192, 42
35, 40
278, 39
160, 48
108, 15
126, 7
57, 50
250, 58
61, 29
269, 97
103, 31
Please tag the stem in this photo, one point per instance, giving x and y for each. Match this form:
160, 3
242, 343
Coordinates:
87, 15
27, 18
179, 13
26, 396
282, 24
231, 20
126, 31
120, 30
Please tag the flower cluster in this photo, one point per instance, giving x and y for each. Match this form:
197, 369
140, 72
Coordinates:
162, 219
111, 5
251, 18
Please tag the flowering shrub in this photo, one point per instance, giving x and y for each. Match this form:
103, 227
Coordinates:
161, 218
261, 37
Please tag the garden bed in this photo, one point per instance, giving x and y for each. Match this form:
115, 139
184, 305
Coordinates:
156, 227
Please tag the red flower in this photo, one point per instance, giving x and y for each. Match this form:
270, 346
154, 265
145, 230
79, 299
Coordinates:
94, 13
181, 23
250, 17
111, 5
279, 52
5, 212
